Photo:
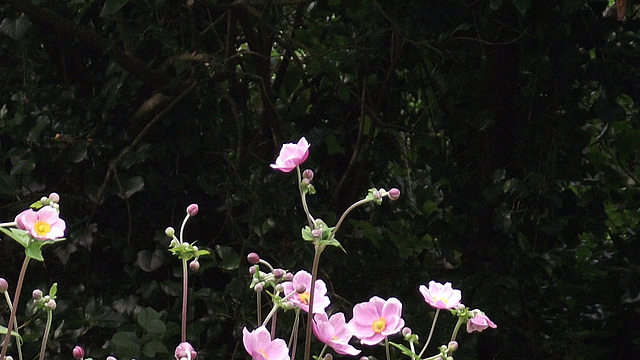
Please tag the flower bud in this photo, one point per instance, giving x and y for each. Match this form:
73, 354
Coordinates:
54, 197
288, 276
301, 288
170, 232
37, 294
192, 209
111, 358
406, 331
307, 174
78, 353
51, 304
278, 273
317, 233
328, 357
258, 288
253, 258
394, 194
8, 357
4, 285
44, 200
452, 346
253, 270
279, 288
194, 265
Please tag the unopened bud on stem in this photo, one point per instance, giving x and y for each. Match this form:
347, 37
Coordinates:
253, 258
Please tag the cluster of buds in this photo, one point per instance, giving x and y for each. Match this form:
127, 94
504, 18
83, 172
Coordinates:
182, 249
378, 194
52, 200
271, 278
45, 302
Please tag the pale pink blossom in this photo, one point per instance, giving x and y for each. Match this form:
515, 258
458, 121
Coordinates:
259, 345
334, 332
292, 155
302, 280
376, 319
441, 296
184, 351
42, 224
479, 322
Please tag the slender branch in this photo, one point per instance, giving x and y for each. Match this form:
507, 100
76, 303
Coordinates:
45, 336
15, 324
185, 290
314, 276
16, 299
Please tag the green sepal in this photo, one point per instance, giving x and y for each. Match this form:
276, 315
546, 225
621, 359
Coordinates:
36, 205
372, 197
187, 252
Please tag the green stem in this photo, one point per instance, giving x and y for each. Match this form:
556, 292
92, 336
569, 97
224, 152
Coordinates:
293, 340
433, 326
314, 276
185, 290
45, 336
324, 348
8, 224
303, 197
15, 324
386, 347
259, 306
345, 213
456, 328
16, 299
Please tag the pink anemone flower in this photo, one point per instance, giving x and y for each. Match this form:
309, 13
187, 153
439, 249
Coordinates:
441, 296
43, 224
292, 155
301, 300
334, 332
259, 345
376, 319
479, 322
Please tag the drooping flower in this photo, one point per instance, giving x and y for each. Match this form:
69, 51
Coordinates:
43, 224
334, 332
302, 279
441, 296
376, 319
479, 322
259, 345
184, 351
292, 155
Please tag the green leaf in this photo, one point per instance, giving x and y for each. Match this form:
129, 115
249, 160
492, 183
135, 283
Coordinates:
112, 6
34, 250
405, 350
154, 347
3, 331
229, 259
149, 261
522, 5
149, 319
131, 186
53, 290
22, 166
21, 236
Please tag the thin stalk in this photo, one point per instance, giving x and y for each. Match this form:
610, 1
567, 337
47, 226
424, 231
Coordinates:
456, 328
345, 213
324, 348
433, 326
314, 276
185, 290
303, 197
15, 324
8, 224
293, 340
259, 306
16, 299
386, 347
274, 321
45, 336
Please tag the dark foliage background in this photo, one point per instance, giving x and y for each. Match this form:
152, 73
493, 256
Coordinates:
510, 126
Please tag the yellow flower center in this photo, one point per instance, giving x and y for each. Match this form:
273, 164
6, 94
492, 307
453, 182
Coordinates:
41, 228
304, 297
263, 353
443, 299
379, 325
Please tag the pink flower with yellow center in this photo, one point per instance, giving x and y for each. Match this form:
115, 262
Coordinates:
259, 345
441, 296
334, 332
376, 319
291, 155
43, 224
301, 300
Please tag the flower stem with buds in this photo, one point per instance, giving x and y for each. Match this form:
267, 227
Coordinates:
16, 299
